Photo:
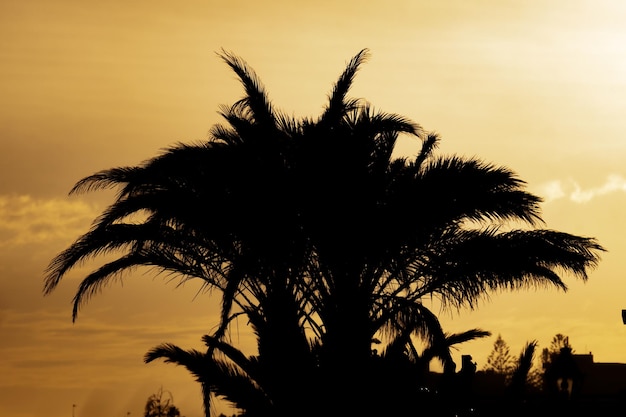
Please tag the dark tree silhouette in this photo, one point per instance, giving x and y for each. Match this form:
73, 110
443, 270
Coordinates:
161, 404
561, 376
500, 360
324, 241
558, 342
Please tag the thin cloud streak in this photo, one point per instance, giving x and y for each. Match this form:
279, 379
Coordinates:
571, 190
60, 351
27, 220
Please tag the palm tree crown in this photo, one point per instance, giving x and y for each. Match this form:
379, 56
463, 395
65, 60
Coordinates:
323, 241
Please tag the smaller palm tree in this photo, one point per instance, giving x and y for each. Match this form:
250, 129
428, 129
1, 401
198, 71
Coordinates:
161, 404
521, 377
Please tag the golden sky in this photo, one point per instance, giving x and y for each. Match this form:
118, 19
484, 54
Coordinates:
537, 86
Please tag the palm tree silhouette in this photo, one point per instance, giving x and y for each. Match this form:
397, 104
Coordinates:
323, 241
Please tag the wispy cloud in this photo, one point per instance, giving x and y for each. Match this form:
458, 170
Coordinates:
51, 344
571, 190
27, 220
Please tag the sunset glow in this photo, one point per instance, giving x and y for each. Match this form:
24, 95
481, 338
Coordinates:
539, 87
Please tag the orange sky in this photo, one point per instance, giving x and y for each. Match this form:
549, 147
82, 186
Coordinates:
537, 86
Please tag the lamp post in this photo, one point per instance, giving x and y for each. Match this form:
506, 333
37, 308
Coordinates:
73, 408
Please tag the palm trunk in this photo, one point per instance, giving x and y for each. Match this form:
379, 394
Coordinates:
347, 360
286, 355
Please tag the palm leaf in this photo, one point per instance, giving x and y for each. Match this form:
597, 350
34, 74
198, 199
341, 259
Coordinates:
255, 99
337, 104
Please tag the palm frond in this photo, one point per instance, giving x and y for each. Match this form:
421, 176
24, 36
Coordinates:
441, 347
105, 179
234, 354
470, 189
337, 104
522, 368
256, 98
477, 262
401, 318
428, 146
217, 378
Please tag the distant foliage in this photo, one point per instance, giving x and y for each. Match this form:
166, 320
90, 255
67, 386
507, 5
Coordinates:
161, 404
500, 360
559, 365
548, 355
518, 372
